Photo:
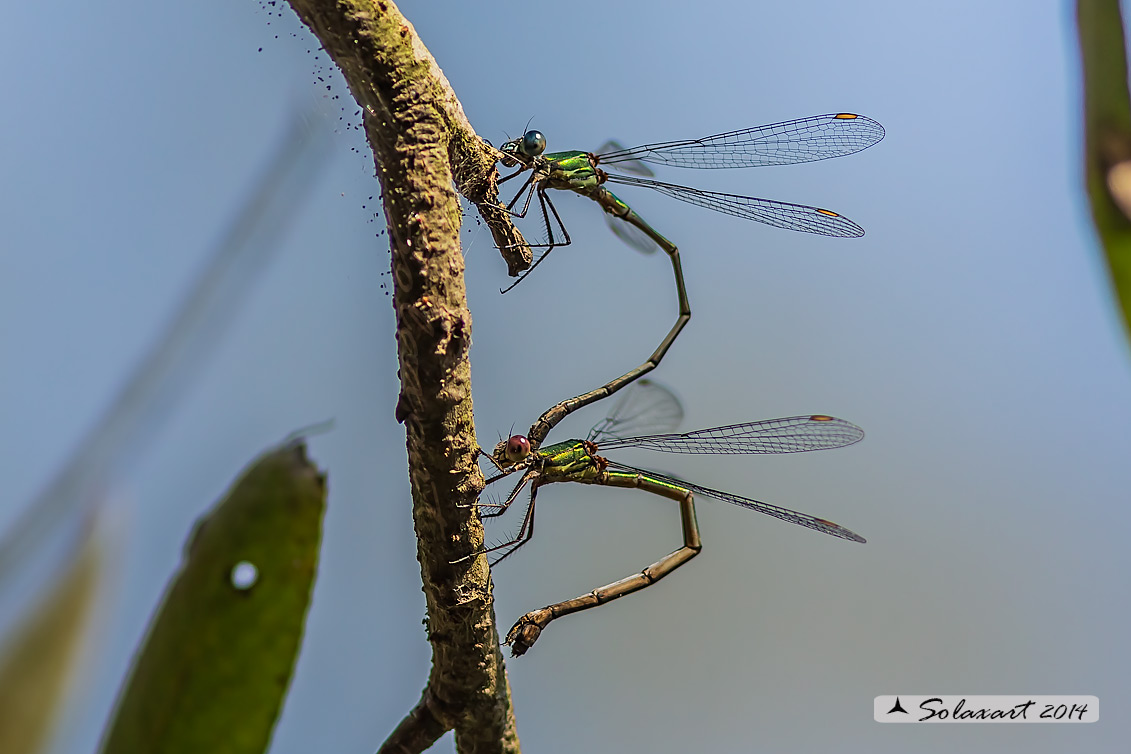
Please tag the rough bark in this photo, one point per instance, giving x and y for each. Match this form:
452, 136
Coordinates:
422, 142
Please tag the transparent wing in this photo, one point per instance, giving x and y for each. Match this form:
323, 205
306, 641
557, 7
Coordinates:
631, 235
627, 164
795, 434
785, 514
645, 406
778, 214
819, 137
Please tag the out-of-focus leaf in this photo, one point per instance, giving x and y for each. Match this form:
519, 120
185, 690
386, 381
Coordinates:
46, 574
217, 660
1107, 129
35, 661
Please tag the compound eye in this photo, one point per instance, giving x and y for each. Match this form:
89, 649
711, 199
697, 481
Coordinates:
533, 143
518, 448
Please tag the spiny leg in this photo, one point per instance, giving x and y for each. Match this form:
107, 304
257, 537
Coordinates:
526, 205
509, 207
543, 200
525, 532
501, 508
529, 627
503, 470
515, 174
556, 413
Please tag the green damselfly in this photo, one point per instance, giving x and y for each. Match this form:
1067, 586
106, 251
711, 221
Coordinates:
819, 137
579, 461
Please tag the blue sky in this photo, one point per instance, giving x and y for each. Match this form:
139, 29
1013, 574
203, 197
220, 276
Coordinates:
971, 333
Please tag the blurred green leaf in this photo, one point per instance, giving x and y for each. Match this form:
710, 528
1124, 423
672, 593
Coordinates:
47, 565
37, 659
1107, 134
217, 660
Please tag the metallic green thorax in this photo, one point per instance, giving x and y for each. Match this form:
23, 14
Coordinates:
577, 461
574, 171
569, 461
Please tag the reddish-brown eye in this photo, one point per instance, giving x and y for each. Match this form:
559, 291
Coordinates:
518, 447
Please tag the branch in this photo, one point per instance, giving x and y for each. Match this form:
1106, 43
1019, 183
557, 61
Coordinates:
422, 141
421, 728
353, 33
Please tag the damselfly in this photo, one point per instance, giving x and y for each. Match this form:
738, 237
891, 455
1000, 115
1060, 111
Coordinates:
580, 461
804, 140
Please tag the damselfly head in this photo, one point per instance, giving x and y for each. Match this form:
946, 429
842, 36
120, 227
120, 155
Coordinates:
532, 143
510, 147
517, 448
512, 451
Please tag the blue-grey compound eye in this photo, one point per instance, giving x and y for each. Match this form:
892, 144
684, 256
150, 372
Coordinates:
533, 143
